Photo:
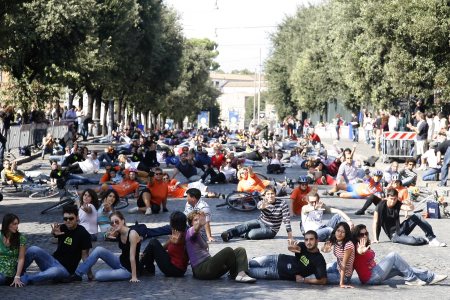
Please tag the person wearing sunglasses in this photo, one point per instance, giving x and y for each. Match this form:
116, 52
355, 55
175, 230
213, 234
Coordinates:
124, 267
371, 272
74, 243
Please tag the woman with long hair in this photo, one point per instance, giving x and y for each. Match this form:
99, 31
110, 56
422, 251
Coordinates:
88, 212
343, 249
124, 267
12, 251
370, 272
109, 200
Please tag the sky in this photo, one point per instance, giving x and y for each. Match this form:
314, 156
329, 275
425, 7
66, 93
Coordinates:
241, 28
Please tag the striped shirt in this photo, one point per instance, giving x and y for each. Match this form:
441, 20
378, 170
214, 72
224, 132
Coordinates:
339, 253
274, 214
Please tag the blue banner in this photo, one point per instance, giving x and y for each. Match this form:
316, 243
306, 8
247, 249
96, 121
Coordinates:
203, 119
233, 118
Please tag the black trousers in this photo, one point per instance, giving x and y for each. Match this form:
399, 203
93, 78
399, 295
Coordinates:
154, 252
215, 177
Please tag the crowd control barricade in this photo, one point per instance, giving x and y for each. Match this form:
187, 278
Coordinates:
398, 144
59, 129
39, 131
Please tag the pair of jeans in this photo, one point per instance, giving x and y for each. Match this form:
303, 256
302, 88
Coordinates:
444, 169
324, 231
431, 174
368, 135
226, 260
49, 266
394, 265
253, 230
334, 276
407, 226
118, 272
264, 267
355, 134
74, 179
154, 252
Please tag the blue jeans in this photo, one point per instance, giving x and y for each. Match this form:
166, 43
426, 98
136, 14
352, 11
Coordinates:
407, 226
2, 279
431, 174
117, 273
253, 230
334, 276
74, 179
394, 265
324, 231
264, 267
49, 266
444, 169
355, 134
157, 231
105, 157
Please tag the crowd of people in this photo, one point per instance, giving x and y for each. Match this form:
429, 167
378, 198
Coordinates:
134, 166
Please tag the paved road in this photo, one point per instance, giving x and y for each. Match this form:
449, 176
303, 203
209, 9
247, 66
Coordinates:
37, 228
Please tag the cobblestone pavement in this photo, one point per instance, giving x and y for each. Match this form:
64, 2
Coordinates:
37, 228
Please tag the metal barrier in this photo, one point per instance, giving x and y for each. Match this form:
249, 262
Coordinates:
398, 144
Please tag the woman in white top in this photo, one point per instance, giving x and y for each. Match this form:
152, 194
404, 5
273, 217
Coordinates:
368, 126
88, 212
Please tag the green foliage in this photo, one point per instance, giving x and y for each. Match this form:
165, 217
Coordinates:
361, 53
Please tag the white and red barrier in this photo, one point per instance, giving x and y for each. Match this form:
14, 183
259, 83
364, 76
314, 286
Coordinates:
398, 144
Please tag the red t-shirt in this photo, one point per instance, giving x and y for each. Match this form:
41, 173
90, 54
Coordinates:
178, 255
159, 191
364, 264
217, 160
314, 137
299, 200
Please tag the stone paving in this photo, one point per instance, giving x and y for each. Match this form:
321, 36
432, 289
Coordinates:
37, 229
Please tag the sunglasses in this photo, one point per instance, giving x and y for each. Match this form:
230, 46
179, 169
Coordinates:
158, 173
69, 218
363, 234
115, 222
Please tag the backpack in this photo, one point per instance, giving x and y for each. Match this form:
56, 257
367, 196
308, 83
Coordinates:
141, 229
25, 151
275, 169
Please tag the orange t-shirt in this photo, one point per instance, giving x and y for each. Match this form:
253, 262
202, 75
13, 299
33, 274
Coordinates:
403, 194
252, 184
299, 200
159, 191
126, 187
176, 191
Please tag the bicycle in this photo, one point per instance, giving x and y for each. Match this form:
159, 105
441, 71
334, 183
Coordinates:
70, 196
420, 198
38, 190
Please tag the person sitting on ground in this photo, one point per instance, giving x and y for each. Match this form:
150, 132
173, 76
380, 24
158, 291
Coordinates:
433, 169
312, 217
370, 272
226, 173
171, 257
273, 213
74, 243
363, 190
90, 165
187, 169
48, 144
109, 200
347, 174
387, 216
275, 166
124, 267
61, 178
87, 213
307, 261
178, 190
207, 267
299, 196
407, 175
250, 182
344, 250
11, 174
128, 185
111, 176
12, 251
194, 203
202, 160
391, 171
153, 196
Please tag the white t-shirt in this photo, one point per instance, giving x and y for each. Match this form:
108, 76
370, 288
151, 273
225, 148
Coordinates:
89, 165
431, 157
312, 220
89, 221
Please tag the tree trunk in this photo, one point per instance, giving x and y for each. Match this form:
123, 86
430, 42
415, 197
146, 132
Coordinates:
105, 120
120, 113
80, 101
90, 108
98, 105
71, 97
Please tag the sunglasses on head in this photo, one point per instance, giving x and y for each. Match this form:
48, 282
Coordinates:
69, 218
115, 222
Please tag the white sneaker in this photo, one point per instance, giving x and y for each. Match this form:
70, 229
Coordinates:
133, 210
416, 282
148, 211
438, 278
435, 243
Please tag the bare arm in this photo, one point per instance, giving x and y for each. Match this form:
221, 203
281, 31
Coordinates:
208, 232
134, 240
20, 263
374, 227
347, 255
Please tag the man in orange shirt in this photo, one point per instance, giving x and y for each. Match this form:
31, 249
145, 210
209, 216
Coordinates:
299, 196
155, 195
249, 182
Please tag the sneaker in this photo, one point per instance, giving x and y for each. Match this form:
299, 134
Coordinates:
326, 193
415, 282
148, 211
165, 209
76, 277
435, 243
371, 212
245, 279
359, 212
133, 210
225, 236
437, 278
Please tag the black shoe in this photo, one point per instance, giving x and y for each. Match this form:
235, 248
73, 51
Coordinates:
370, 212
225, 236
359, 212
75, 277
165, 209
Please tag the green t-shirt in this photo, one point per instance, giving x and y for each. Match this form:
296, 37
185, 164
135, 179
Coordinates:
9, 257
